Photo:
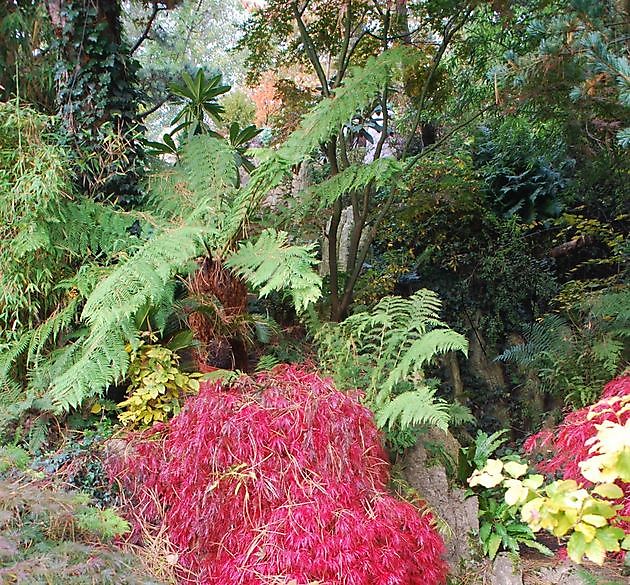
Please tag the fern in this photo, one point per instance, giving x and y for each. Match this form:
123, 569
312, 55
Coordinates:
380, 173
200, 208
386, 350
459, 414
49, 330
144, 279
110, 310
545, 337
415, 407
359, 89
271, 265
420, 353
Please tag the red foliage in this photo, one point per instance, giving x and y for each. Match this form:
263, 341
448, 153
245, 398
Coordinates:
280, 477
568, 442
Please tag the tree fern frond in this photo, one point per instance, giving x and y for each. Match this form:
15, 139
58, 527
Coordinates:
268, 175
415, 407
141, 279
382, 172
101, 360
110, 309
271, 264
360, 88
50, 329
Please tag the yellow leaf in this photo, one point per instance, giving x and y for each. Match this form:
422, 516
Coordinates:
587, 530
594, 520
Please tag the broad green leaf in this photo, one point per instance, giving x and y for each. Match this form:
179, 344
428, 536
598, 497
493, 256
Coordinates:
493, 545
610, 537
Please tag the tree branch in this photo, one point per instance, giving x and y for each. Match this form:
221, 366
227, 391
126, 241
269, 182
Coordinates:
310, 49
449, 32
145, 35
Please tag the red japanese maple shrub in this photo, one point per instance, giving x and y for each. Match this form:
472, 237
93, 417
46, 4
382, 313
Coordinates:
568, 445
279, 478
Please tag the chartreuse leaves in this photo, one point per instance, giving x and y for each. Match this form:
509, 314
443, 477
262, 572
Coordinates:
157, 386
565, 508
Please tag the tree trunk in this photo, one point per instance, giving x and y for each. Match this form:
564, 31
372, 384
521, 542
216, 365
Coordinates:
96, 94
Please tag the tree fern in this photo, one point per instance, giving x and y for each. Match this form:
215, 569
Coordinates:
360, 88
271, 265
140, 280
380, 173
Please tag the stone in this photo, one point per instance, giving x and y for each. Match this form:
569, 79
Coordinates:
504, 572
449, 503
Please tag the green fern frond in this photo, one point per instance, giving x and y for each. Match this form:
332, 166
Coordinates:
267, 362
268, 175
9, 356
381, 173
270, 264
111, 308
102, 359
421, 352
50, 329
415, 407
142, 278
545, 337
359, 90
392, 343
459, 414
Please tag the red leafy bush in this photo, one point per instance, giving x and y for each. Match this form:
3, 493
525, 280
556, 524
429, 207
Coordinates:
279, 478
567, 444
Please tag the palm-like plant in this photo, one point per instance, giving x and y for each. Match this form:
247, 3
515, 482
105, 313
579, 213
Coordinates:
199, 96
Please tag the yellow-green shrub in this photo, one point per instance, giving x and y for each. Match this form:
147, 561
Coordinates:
565, 508
157, 386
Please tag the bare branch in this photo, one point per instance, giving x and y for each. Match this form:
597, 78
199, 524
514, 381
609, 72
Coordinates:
145, 35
